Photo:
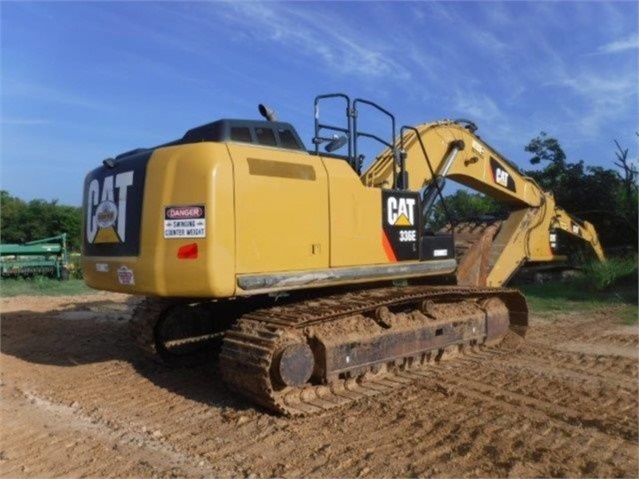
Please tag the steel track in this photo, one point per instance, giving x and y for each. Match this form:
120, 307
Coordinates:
249, 349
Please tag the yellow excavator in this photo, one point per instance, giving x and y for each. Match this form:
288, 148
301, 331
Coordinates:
314, 281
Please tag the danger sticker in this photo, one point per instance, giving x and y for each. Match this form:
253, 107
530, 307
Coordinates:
184, 222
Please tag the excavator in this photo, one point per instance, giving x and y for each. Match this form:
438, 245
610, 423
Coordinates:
315, 281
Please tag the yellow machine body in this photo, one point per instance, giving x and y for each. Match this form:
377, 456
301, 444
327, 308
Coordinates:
273, 220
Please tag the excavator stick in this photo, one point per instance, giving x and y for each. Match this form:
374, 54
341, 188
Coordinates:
580, 229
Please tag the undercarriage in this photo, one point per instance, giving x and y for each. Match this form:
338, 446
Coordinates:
304, 356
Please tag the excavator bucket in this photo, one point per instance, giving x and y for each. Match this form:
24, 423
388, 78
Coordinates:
473, 241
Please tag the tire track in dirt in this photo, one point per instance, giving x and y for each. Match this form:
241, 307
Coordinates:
558, 432
541, 397
414, 431
59, 427
501, 385
610, 409
138, 405
548, 367
596, 332
619, 367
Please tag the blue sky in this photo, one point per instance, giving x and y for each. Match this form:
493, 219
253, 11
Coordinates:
82, 81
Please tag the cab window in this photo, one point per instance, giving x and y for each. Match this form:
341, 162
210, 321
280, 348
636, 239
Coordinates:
265, 136
287, 139
241, 134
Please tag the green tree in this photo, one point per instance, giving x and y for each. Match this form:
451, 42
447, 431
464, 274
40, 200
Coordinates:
546, 149
592, 193
630, 193
21, 221
12, 210
464, 206
68, 220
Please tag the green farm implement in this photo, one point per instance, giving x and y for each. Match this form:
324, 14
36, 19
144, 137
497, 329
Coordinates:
44, 257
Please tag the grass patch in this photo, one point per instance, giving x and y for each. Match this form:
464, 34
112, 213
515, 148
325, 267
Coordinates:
41, 286
555, 297
609, 285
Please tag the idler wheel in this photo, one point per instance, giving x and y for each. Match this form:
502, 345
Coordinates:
294, 364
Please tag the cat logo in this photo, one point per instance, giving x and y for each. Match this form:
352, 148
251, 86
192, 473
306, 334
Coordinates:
501, 176
106, 209
575, 228
400, 211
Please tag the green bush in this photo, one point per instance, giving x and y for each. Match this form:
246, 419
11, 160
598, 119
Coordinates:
614, 271
609, 286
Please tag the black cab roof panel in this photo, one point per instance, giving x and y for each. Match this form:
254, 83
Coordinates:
265, 133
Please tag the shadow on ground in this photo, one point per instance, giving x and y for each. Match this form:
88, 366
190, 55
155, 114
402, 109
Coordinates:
97, 332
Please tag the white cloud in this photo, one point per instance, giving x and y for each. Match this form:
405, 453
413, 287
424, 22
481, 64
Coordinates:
476, 105
629, 43
603, 98
319, 35
474, 29
597, 86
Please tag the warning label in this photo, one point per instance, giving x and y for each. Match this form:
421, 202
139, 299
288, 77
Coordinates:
125, 276
184, 222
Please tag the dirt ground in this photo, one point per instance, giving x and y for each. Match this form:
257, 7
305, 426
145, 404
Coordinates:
77, 401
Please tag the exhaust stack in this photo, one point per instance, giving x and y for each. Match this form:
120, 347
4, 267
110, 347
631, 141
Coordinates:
266, 112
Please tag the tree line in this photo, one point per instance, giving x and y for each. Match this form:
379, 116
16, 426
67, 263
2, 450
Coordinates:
22, 221
606, 197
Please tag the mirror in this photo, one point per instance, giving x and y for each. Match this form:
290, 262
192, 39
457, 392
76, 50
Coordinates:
336, 143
